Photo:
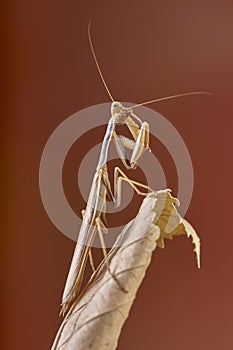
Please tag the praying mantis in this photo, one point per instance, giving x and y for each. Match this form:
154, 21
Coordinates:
101, 192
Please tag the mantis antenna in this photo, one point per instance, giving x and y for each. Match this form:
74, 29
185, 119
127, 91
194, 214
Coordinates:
143, 103
171, 97
96, 62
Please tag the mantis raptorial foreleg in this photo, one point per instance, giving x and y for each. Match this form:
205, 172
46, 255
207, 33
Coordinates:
141, 143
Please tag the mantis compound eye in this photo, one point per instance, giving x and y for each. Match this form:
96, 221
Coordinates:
116, 105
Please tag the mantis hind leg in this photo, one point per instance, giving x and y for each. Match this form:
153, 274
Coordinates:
91, 260
102, 229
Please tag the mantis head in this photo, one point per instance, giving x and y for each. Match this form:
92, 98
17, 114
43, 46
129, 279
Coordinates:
119, 112
116, 108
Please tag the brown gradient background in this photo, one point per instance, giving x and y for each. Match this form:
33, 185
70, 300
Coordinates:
147, 49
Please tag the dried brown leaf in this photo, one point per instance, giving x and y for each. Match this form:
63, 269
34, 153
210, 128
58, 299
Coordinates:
96, 318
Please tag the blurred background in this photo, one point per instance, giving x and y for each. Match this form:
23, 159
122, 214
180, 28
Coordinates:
146, 50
